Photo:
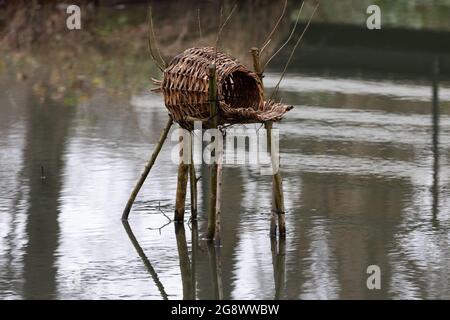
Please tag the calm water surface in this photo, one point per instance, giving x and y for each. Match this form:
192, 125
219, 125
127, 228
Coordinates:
360, 181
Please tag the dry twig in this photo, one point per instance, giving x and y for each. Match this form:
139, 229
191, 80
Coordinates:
151, 33
288, 39
199, 23
269, 37
292, 52
222, 26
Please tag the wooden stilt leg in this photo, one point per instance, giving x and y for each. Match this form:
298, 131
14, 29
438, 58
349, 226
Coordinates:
279, 201
193, 182
181, 188
147, 169
218, 196
213, 179
273, 221
277, 189
212, 203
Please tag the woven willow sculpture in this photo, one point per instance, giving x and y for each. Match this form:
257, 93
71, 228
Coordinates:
237, 97
239, 90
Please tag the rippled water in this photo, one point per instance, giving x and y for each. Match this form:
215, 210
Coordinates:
359, 182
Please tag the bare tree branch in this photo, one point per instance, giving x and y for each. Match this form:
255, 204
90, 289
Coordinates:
154, 38
288, 39
149, 39
222, 25
293, 50
269, 37
199, 23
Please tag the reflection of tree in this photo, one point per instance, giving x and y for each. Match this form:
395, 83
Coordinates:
331, 261
10, 176
380, 210
47, 131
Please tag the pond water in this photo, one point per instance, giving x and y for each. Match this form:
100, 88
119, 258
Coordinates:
360, 181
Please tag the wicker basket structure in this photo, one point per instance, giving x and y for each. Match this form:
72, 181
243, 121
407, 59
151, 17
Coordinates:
239, 90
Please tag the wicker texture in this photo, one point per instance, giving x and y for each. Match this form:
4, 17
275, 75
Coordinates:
239, 91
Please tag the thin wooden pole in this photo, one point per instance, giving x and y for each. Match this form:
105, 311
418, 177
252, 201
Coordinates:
147, 169
180, 201
258, 70
257, 64
193, 182
273, 215
218, 195
213, 111
277, 188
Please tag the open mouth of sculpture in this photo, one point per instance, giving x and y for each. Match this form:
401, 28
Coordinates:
241, 90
